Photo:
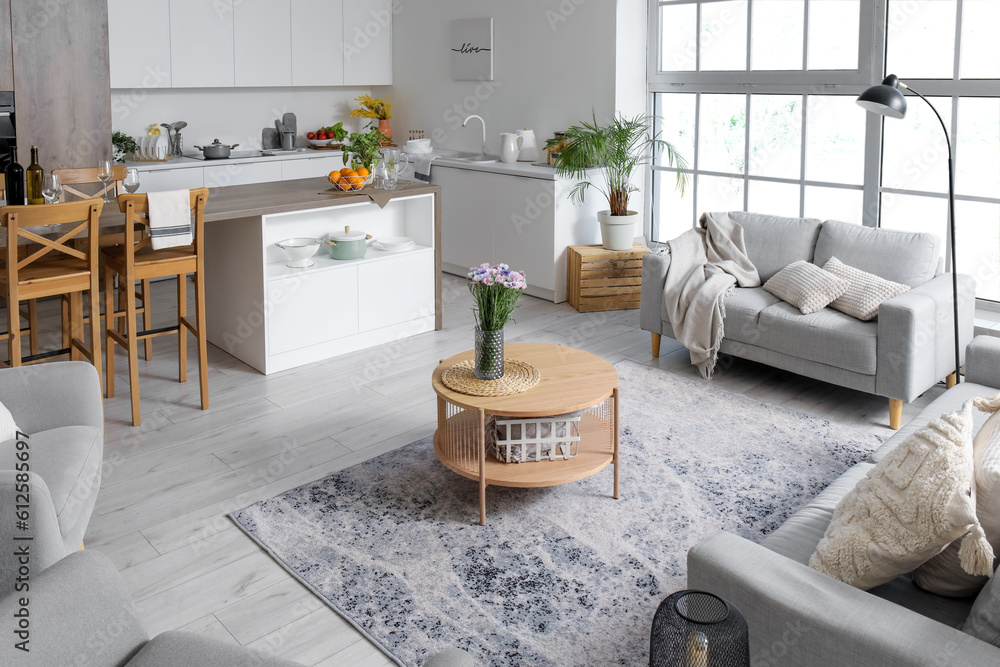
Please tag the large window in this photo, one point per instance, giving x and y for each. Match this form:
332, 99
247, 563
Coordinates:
758, 96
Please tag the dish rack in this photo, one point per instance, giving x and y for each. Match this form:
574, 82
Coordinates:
524, 440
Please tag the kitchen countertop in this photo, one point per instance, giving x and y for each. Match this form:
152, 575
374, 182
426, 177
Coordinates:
188, 161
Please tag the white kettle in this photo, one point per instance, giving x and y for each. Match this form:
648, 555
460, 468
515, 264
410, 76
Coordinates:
510, 146
529, 148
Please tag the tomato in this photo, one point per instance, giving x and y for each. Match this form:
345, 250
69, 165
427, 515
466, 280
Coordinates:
311, 135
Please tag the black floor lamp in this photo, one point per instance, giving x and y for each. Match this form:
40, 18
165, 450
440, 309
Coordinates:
886, 99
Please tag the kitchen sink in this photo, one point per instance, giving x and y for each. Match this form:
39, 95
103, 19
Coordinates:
479, 158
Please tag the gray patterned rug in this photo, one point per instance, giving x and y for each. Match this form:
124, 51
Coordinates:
564, 575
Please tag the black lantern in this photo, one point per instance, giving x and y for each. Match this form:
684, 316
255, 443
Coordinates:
698, 629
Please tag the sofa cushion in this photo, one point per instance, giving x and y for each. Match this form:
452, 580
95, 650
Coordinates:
908, 507
69, 460
943, 574
743, 308
983, 621
904, 257
8, 429
865, 291
774, 242
806, 286
827, 337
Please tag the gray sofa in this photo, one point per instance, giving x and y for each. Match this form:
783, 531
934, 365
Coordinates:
906, 350
59, 406
798, 616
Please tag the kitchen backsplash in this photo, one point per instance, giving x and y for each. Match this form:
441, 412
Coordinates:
234, 115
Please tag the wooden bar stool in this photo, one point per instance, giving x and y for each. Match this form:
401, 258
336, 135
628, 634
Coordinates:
82, 176
30, 312
134, 261
57, 267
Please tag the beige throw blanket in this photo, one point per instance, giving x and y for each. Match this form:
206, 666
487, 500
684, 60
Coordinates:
705, 264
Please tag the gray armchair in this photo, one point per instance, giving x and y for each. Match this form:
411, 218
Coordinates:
59, 406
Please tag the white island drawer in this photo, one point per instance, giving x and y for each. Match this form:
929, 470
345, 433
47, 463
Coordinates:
397, 290
311, 308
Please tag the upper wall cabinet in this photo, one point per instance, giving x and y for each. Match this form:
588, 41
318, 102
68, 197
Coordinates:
247, 43
317, 59
263, 42
367, 43
201, 44
139, 43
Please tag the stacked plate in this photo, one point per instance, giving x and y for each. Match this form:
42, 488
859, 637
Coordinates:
393, 243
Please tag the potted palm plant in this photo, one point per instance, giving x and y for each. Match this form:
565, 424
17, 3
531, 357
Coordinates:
619, 148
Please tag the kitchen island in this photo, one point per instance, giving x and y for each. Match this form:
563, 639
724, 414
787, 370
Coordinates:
274, 317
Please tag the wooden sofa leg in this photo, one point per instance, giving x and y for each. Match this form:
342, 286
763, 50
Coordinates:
951, 380
895, 414
656, 345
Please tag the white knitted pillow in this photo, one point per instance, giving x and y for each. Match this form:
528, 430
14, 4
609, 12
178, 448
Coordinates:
865, 291
907, 508
8, 429
943, 574
806, 286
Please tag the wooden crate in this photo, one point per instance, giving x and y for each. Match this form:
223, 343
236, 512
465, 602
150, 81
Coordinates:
602, 279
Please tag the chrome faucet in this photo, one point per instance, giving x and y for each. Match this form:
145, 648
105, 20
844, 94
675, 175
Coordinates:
466, 122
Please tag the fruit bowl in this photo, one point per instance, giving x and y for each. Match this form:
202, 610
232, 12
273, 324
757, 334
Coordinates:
321, 142
351, 181
299, 251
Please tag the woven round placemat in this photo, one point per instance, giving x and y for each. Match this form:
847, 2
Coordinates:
518, 376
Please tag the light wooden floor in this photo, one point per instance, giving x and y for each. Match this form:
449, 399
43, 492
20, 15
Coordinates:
161, 513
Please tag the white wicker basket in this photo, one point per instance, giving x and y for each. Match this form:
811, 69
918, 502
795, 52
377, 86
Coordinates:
521, 440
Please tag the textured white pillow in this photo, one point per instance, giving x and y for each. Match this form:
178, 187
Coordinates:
907, 508
806, 286
943, 574
865, 291
8, 429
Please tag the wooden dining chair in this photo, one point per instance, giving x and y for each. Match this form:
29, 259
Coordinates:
80, 176
132, 261
30, 311
53, 267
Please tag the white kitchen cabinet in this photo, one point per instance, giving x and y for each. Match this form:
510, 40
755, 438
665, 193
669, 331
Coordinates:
139, 43
466, 218
311, 309
183, 178
242, 173
385, 302
367, 43
317, 32
262, 43
521, 221
311, 168
201, 44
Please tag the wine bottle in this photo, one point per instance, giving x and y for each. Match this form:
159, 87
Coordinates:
14, 176
33, 178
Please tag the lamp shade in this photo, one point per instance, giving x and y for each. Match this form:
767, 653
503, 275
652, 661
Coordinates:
885, 99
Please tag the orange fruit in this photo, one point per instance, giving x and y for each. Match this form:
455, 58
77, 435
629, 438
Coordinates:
362, 171
343, 184
333, 177
346, 171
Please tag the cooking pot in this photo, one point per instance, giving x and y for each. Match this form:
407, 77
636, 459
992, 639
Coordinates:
348, 244
216, 150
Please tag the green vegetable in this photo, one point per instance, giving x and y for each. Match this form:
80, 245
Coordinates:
337, 131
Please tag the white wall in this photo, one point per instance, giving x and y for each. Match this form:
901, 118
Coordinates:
232, 115
553, 63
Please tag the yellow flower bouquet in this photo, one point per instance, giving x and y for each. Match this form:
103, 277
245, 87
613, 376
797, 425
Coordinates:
373, 108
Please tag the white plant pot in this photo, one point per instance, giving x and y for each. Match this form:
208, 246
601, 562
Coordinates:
617, 231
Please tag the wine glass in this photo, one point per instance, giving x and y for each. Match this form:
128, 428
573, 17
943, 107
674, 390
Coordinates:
51, 188
131, 181
104, 173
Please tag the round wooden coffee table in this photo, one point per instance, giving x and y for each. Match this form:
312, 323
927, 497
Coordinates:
571, 380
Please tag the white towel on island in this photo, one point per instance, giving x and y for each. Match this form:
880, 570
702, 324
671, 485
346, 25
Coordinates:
170, 219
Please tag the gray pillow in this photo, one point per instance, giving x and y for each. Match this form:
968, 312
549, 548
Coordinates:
984, 619
806, 286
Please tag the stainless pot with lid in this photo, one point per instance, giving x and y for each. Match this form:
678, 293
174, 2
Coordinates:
216, 150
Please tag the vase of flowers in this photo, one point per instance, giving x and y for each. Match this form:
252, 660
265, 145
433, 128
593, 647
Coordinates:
496, 290
376, 109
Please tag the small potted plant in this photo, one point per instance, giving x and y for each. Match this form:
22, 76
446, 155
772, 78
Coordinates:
496, 290
124, 145
380, 110
362, 148
619, 148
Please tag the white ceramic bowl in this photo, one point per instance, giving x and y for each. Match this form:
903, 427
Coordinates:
321, 142
299, 251
418, 146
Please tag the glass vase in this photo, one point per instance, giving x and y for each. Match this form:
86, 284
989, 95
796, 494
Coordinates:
489, 354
